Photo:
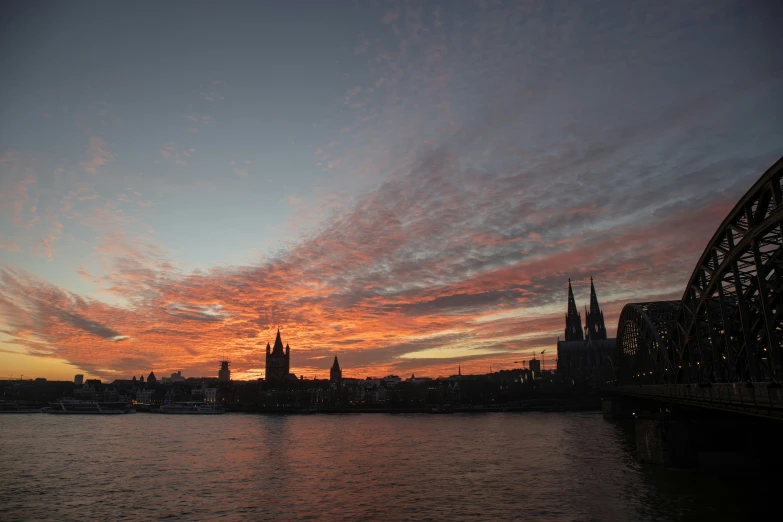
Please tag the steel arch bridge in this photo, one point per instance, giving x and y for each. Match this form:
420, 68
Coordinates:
728, 326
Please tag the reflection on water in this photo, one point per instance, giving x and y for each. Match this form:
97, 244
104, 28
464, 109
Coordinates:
353, 467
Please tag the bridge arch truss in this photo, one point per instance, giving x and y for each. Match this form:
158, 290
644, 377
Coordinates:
728, 327
645, 352
730, 323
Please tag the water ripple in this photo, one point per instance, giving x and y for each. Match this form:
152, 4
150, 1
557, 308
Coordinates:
551, 467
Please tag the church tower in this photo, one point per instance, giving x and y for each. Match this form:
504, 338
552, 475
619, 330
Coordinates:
594, 321
335, 373
277, 360
573, 330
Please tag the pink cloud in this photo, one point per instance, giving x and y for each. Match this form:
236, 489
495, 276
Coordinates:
391, 16
198, 118
449, 250
171, 154
97, 155
355, 287
49, 240
212, 95
19, 188
241, 169
8, 244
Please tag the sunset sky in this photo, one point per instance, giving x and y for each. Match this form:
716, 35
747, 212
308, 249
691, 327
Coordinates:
407, 185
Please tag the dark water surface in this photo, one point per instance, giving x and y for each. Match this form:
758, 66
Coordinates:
499, 466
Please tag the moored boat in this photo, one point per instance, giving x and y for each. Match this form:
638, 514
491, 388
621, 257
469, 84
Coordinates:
190, 408
16, 407
73, 406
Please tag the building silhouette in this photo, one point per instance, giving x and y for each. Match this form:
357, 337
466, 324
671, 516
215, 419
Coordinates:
534, 364
335, 373
151, 379
277, 360
224, 374
582, 356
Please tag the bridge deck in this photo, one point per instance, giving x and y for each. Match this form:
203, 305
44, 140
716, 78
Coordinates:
762, 399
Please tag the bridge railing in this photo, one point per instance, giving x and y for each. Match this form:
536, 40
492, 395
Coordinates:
761, 395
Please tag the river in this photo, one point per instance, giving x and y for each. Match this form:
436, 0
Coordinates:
494, 466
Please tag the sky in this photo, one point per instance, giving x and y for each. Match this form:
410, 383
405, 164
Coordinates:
406, 185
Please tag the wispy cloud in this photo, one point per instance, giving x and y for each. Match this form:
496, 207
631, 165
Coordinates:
431, 268
18, 189
391, 16
8, 244
97, 155
198, 118
48, 241
241, 168
212, 93
177, 156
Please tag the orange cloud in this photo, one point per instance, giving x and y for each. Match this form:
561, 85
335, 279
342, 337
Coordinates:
372, 285
460, 256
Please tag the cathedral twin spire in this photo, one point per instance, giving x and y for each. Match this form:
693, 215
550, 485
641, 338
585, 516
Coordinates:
594, 319
595, 328
573, 331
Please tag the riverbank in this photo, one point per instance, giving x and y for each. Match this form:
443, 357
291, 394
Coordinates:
530, 406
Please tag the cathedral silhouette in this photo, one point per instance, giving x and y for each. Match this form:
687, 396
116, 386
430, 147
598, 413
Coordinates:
583, 354
277, 360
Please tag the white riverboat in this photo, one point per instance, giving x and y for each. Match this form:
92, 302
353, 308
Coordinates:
190, 408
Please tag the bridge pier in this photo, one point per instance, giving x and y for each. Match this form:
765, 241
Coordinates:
616, 408
691, 437
665, 441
